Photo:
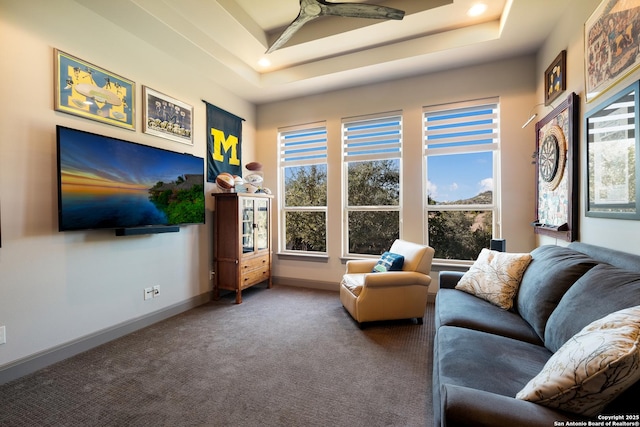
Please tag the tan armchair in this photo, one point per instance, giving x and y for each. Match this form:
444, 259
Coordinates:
388, 295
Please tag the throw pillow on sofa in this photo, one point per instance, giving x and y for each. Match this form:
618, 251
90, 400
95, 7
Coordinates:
592, 368
389, 262
495, 276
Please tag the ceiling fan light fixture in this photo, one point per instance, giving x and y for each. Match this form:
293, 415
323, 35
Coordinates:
477, 9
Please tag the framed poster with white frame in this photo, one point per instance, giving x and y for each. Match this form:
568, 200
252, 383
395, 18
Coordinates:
167, 117
613, 169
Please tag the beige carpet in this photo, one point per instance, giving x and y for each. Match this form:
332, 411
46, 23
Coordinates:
284, 357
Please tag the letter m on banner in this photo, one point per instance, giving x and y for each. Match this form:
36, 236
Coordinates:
224, 143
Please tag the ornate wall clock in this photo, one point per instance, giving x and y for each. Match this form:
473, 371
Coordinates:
552, 156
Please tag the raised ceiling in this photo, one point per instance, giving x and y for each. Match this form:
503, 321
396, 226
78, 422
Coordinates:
232, 36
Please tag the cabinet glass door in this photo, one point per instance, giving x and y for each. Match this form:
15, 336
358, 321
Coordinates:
262, 222
247, 225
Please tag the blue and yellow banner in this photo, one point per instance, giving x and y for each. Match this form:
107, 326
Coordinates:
224, 142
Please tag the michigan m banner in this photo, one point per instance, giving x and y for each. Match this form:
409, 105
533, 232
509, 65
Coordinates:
224, 143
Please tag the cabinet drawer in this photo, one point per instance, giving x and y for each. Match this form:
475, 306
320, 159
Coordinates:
252, 277
255, 263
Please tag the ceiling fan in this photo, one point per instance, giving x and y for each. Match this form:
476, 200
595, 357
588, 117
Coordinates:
312, 9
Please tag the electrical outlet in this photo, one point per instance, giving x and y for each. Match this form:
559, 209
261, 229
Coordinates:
156, 291
3, 334
148, 293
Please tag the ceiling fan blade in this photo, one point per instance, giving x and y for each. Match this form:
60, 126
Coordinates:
290, 31
361, 10
312, 9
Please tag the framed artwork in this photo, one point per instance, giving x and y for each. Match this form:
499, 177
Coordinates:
611, 45
555, 78
612, 148
557, 172
167, 117
88, 91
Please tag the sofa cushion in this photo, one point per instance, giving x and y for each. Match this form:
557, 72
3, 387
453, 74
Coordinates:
456, 308
485, 361
613, 289
389, 262
495, 276
592, 368
551, 272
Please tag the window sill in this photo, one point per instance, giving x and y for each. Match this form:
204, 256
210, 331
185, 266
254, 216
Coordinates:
303, 257
451, 266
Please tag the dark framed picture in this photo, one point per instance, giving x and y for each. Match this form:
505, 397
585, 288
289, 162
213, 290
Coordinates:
557, 172
555, 78
612, 150
611, 45
167, 117
88, 91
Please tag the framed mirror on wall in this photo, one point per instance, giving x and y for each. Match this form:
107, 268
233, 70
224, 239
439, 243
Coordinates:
612, 149
557, 172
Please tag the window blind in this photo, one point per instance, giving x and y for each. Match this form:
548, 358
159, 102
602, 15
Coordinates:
372, 139
303, 146
461, 127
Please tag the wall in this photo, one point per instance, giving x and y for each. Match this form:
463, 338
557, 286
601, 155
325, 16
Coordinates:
57, 288
611, 233
512, 80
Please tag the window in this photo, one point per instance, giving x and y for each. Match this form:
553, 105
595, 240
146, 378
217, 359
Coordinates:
461, 144
303, 189
372, 148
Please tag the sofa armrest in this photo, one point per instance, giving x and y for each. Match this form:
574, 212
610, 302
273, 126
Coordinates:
462, 406
355, 266
449, 279
396, 278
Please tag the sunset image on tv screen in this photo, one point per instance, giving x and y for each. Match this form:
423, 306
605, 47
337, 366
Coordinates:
109, 183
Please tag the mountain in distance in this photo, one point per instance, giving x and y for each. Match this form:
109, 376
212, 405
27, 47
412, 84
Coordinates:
484, 198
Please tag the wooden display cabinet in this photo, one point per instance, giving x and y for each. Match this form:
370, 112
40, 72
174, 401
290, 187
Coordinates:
241, 242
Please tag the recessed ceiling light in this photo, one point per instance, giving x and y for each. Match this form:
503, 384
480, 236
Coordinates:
477, 9
264, 62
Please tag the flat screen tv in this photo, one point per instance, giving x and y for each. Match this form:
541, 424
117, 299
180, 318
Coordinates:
106, 182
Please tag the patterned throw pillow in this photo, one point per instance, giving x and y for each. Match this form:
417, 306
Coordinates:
592, 368
495, 276
389, 262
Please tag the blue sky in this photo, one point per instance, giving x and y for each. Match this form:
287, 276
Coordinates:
459, 176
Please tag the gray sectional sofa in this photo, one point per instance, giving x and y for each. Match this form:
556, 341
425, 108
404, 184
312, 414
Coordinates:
484, 355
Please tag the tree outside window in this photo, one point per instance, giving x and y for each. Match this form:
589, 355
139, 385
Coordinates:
303, 178
371, 153
461, 151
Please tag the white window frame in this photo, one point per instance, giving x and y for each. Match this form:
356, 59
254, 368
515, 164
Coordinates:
377, 150
432, 149
315, 154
